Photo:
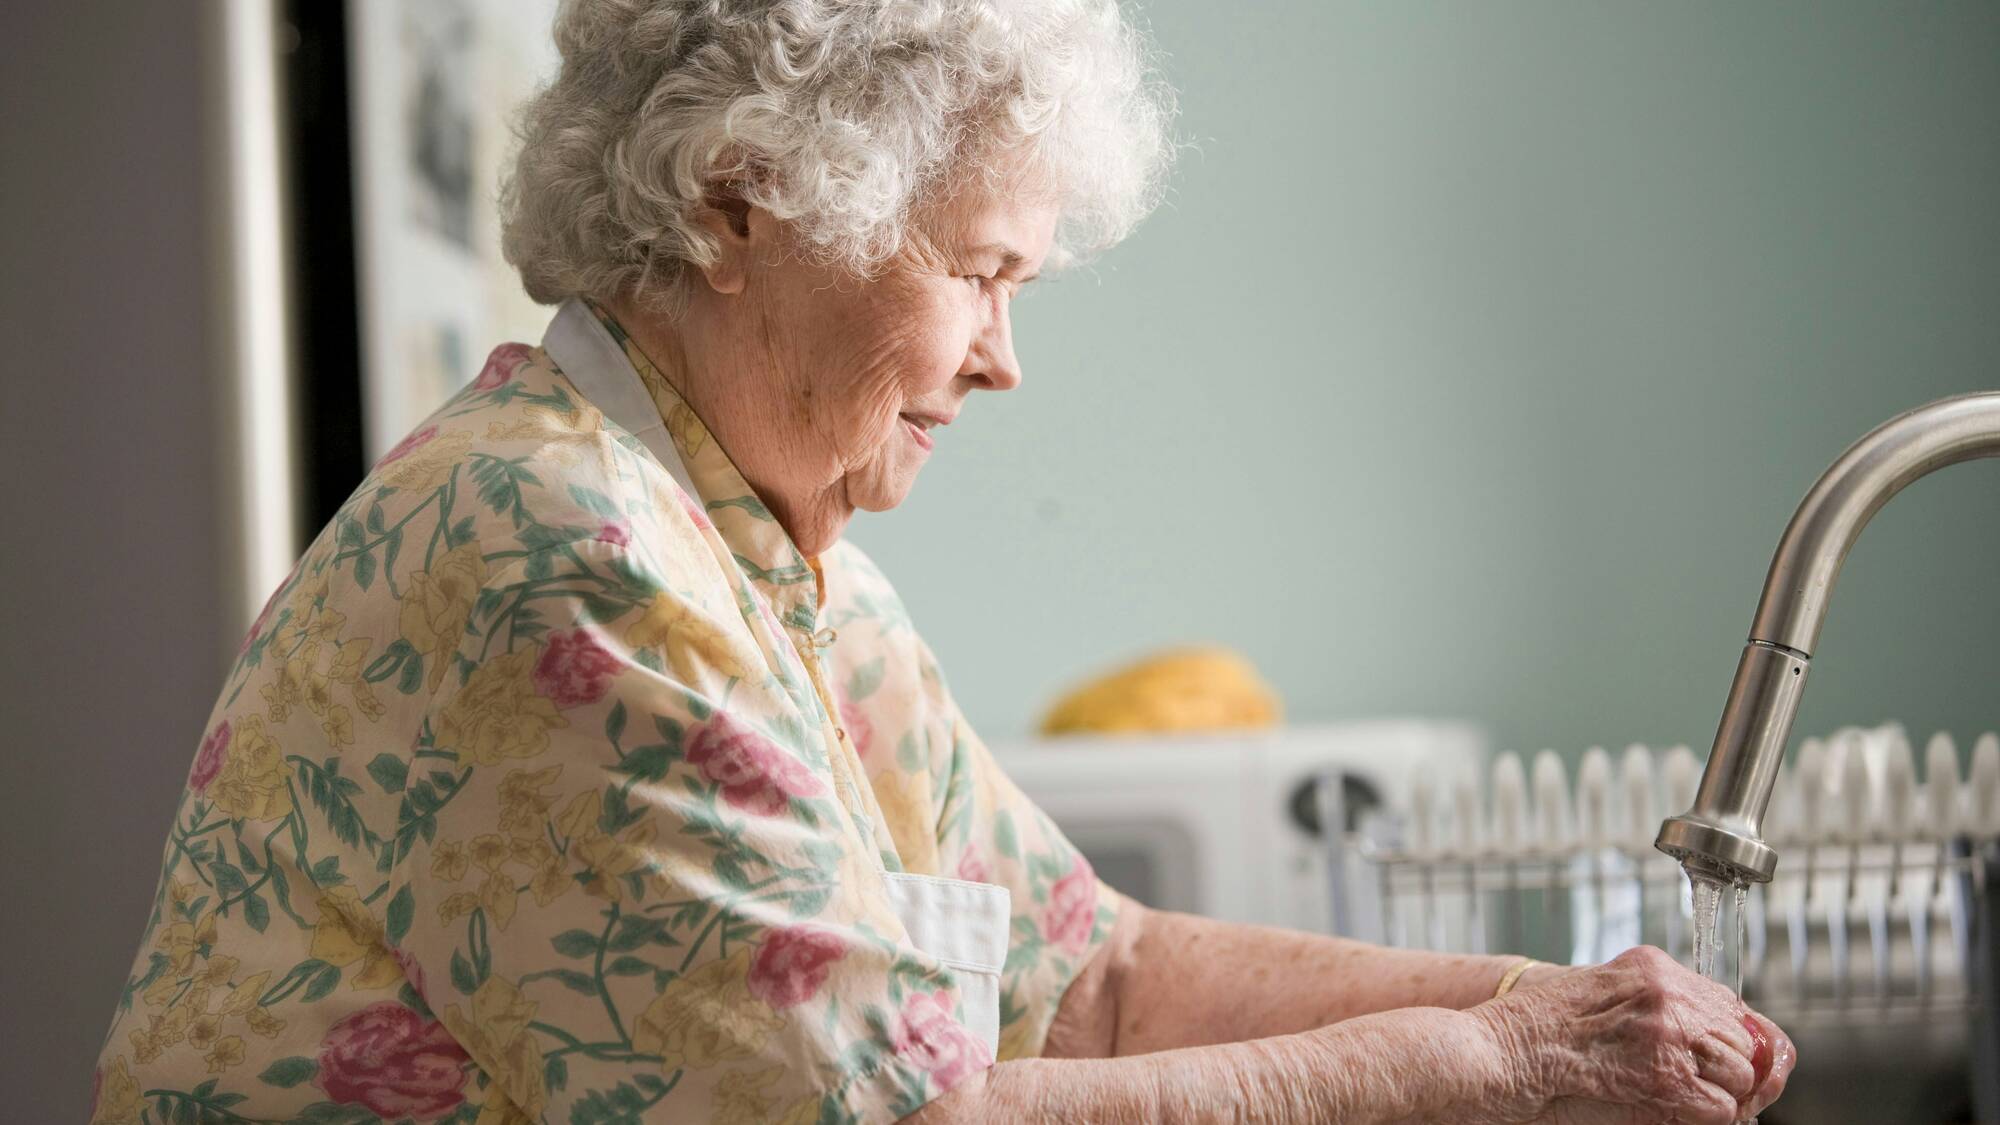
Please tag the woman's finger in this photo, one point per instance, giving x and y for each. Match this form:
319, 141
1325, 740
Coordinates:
1722, 1065
1760, 1047
1783, 1056
1707, 1104
1767, 1093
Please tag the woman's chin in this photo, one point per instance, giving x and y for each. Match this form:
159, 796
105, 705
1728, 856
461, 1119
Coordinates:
880, 492
881, 500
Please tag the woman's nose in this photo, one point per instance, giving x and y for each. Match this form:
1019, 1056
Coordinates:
992, 362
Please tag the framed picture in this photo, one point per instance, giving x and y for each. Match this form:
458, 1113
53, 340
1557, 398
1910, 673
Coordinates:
433, 89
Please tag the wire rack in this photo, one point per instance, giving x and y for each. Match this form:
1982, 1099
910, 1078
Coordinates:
1875, 944
1882, 933
1881, 911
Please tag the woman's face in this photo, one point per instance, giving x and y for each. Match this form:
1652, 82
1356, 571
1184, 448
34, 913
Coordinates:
843, 386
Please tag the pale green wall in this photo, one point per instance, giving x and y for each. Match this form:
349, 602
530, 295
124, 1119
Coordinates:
1478, 360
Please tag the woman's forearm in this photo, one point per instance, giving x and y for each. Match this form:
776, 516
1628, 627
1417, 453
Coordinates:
1169, 980
1420, 1064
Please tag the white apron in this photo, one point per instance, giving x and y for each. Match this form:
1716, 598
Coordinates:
960, 923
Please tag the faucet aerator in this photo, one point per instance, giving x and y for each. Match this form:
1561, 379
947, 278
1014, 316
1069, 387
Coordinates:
1721, 834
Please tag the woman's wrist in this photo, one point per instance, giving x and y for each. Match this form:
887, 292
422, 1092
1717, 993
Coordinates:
1484, 1075
1515, 1034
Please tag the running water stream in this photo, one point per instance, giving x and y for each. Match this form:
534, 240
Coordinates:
1707, 902
1742, 933
1707, 905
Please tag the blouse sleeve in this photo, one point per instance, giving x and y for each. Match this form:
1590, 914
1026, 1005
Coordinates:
952, 809
631, 892
990, 831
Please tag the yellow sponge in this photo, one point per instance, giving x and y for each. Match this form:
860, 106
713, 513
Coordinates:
1188, 689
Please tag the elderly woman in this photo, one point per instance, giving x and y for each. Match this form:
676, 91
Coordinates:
581, 772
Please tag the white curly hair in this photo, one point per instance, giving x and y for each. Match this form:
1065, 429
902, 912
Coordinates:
842, 118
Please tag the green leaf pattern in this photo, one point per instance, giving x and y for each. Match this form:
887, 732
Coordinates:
533, 765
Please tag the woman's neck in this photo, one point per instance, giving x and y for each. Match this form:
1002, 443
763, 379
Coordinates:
742, 405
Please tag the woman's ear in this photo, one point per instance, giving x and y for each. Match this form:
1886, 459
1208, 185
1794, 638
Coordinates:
728, 219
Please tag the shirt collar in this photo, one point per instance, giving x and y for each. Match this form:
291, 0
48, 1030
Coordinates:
600, 358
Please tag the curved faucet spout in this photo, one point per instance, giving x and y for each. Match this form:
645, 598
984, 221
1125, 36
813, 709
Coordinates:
1721, 835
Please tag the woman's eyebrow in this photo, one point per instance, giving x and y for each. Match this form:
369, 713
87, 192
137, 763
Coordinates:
1010, 258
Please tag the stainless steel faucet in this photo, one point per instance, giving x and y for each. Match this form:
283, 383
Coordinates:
1721, 835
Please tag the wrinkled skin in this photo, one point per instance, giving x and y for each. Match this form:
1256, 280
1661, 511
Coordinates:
828, 391
1180, 1019
1636, 1041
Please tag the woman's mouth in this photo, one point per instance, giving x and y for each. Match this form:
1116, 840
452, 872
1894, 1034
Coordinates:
919, 429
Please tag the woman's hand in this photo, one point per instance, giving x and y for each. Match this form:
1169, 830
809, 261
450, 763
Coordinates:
1637, 1040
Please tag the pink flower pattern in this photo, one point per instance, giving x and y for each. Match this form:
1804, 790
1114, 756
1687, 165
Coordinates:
208, 761
574, 669
756, 776
718, 798
408, 445
618, 533
974, 869
860, 731
393, 1061
792, 963
1072, 910
931, 1039
500, 366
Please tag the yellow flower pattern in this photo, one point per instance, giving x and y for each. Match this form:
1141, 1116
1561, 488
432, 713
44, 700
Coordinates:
494, 1031
434, 610
427, 466
742, 1097
498, 715
689, 637
706, 1016
349, 936
531, 796
117, 1095
253, 783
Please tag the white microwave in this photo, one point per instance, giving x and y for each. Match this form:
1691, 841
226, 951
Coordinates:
1226, 825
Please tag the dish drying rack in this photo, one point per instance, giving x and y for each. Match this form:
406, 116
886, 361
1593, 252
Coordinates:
1881, 912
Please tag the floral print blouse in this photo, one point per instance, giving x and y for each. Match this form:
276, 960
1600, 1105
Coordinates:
542, 790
